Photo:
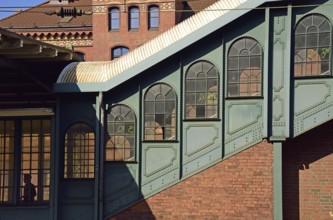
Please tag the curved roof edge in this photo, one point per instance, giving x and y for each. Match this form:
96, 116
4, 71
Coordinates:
103, 76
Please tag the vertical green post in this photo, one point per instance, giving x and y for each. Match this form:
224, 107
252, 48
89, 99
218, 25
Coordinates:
98, 110
277, 179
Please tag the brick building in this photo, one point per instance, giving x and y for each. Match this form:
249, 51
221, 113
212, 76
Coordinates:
106, 29
227, 115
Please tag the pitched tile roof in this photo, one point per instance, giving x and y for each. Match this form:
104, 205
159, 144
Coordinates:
36, 19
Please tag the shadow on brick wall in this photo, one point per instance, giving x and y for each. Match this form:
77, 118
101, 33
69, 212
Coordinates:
306, 184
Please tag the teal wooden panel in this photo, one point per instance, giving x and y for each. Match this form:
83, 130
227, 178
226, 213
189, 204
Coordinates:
76, 191
201, 146
243, 125
76, 212
160, 166
313, 104
36, 213
76, 200
280, 104
121, 187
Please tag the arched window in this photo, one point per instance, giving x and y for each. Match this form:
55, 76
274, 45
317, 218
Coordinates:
79, 152
120, 142
153, 17
118, 52
244, 68
133, 18
160, 113
114, 19
201, 91
312, 46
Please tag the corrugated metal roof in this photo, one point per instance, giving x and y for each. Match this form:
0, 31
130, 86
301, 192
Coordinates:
36, 19
139, 59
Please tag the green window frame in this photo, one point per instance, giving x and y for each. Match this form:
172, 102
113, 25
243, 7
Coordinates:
201, 91
160, 107
244, 77
79, 152
120, 138
312, 47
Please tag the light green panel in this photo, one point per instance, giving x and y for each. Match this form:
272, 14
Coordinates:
280, 74
121, 187
313, 103
243, 125
201, 146
160, 166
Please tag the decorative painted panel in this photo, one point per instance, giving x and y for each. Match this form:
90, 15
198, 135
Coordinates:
280, 84
160, 167
242, 115
313, 104
243, 125
198, 138
202, 146
309, 95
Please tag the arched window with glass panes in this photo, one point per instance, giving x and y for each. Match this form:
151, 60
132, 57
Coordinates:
160, 113
119, 51
201, 91
79, 152
120, 135
244, 77
312, 52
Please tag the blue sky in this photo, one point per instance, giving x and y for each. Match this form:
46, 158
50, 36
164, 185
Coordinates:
16, 4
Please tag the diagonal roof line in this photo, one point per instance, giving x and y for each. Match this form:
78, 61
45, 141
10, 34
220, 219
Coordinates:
103, 76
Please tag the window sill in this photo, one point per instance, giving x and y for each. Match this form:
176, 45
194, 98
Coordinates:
201, 119
133, 30
313, 77
244, 97
115, 30
25, 206
152, 29
121, 162
78, 179
160, 141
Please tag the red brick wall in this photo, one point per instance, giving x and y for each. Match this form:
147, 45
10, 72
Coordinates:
104, 39
240, 187
308, 175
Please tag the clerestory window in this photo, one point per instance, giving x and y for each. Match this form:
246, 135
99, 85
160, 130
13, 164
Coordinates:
201, 91
133, 18
244, 77
153, 17
114, 19
160, 113
79, 152
312, 53
120, 139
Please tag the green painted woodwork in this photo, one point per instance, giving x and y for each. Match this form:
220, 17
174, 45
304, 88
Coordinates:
288, 108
